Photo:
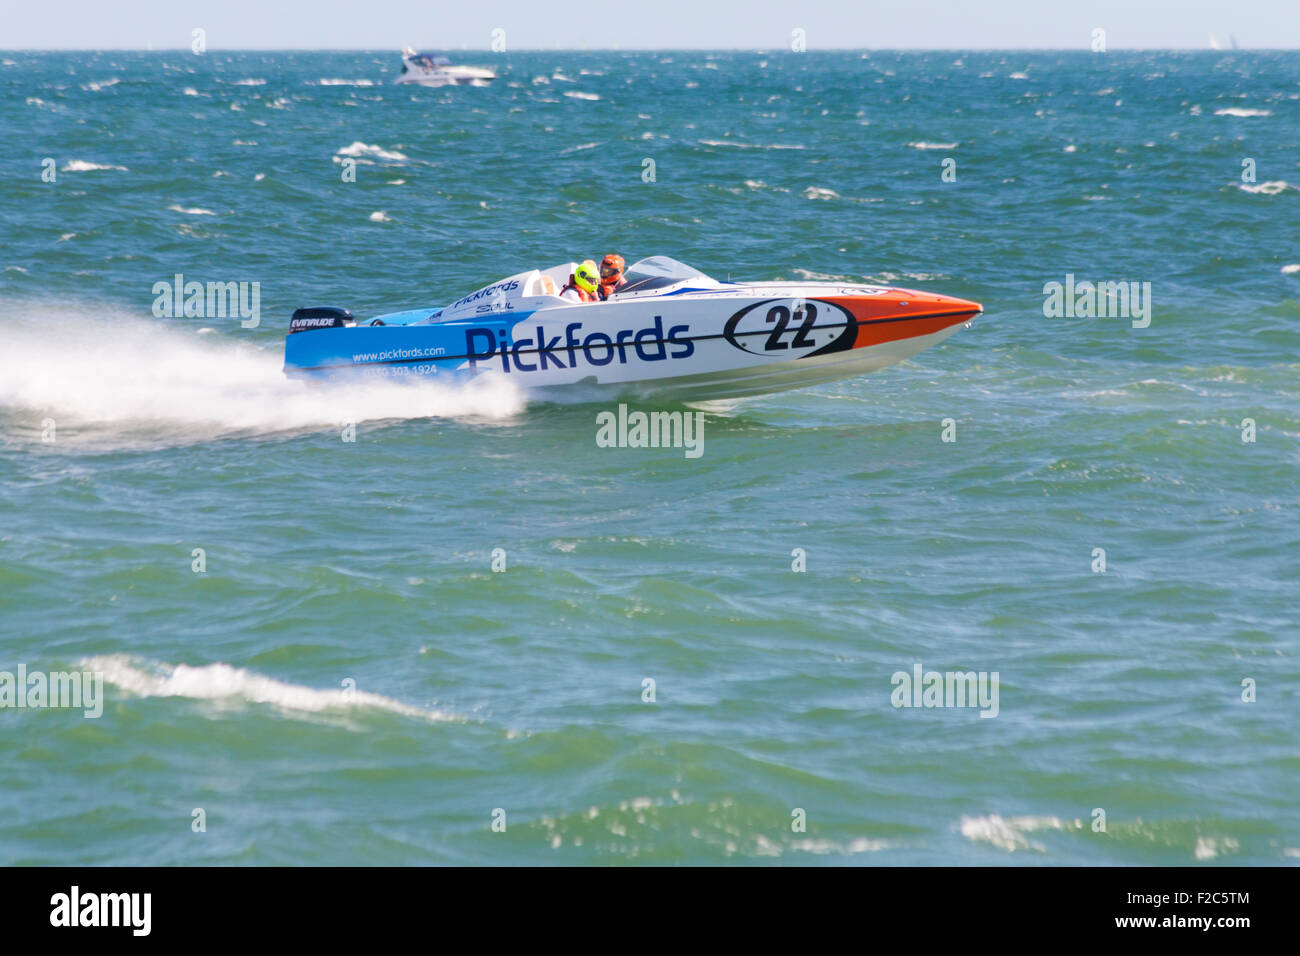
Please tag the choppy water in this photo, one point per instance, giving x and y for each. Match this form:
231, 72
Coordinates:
370, 561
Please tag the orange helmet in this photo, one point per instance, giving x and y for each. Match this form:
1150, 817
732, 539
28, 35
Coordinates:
611, 268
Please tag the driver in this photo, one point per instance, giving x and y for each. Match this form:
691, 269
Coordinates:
611, 275
582, 283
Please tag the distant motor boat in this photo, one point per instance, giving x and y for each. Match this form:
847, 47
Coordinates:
424, 69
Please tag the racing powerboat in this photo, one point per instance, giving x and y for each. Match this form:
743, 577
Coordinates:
426, 70
670, 331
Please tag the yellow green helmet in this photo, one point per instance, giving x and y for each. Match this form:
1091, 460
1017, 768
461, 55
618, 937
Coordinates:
585, 277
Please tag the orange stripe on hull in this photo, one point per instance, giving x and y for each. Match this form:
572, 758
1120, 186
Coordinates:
881, 319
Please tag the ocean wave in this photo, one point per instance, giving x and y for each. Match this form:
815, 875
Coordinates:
1241, 111
925, 145
358, 150
1010, 833
82, 166
1270, 188
1207, 848
851, 848
224, 682
738, 145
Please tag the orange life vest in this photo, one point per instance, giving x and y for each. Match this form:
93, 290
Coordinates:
606, 289
583, 295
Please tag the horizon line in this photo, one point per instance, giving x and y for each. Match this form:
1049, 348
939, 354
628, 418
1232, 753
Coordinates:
655, 49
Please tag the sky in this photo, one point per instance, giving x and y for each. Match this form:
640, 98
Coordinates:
649, 24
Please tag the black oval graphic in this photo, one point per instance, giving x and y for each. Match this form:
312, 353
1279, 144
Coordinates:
792, 328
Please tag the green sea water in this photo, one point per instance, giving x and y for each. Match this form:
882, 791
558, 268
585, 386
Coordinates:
345, 678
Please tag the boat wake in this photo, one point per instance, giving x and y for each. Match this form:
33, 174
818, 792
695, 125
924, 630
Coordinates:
111, 381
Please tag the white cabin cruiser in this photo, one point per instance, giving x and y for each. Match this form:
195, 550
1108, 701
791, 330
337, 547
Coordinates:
424, 69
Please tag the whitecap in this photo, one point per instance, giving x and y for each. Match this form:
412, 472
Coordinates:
855, 846
81, 166
1207, 848
1008, 834
739, 145
223, 682
358, 149
1270, 188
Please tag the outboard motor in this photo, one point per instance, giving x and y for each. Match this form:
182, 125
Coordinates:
320, 317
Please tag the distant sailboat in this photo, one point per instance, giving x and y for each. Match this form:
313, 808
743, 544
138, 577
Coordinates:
1214, 43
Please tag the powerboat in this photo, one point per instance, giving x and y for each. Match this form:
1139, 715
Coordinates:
427, 70
670, 331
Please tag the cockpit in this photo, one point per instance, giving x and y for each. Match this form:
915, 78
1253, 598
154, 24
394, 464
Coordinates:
656, 275
649, 275
424, 61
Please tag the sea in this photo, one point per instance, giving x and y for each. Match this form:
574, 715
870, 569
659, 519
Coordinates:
384, 623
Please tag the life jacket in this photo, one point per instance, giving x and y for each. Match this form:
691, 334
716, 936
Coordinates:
608, 289
583, 295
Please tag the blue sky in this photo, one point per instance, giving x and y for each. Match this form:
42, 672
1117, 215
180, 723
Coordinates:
642, 24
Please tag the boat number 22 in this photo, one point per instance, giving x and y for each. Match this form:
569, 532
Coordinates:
805, 314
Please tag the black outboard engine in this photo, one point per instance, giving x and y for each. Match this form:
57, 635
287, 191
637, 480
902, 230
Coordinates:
320, 317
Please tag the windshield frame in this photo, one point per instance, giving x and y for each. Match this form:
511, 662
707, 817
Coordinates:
656, 273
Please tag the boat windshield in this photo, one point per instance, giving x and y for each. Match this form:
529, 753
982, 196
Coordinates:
658, 272
429, 62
